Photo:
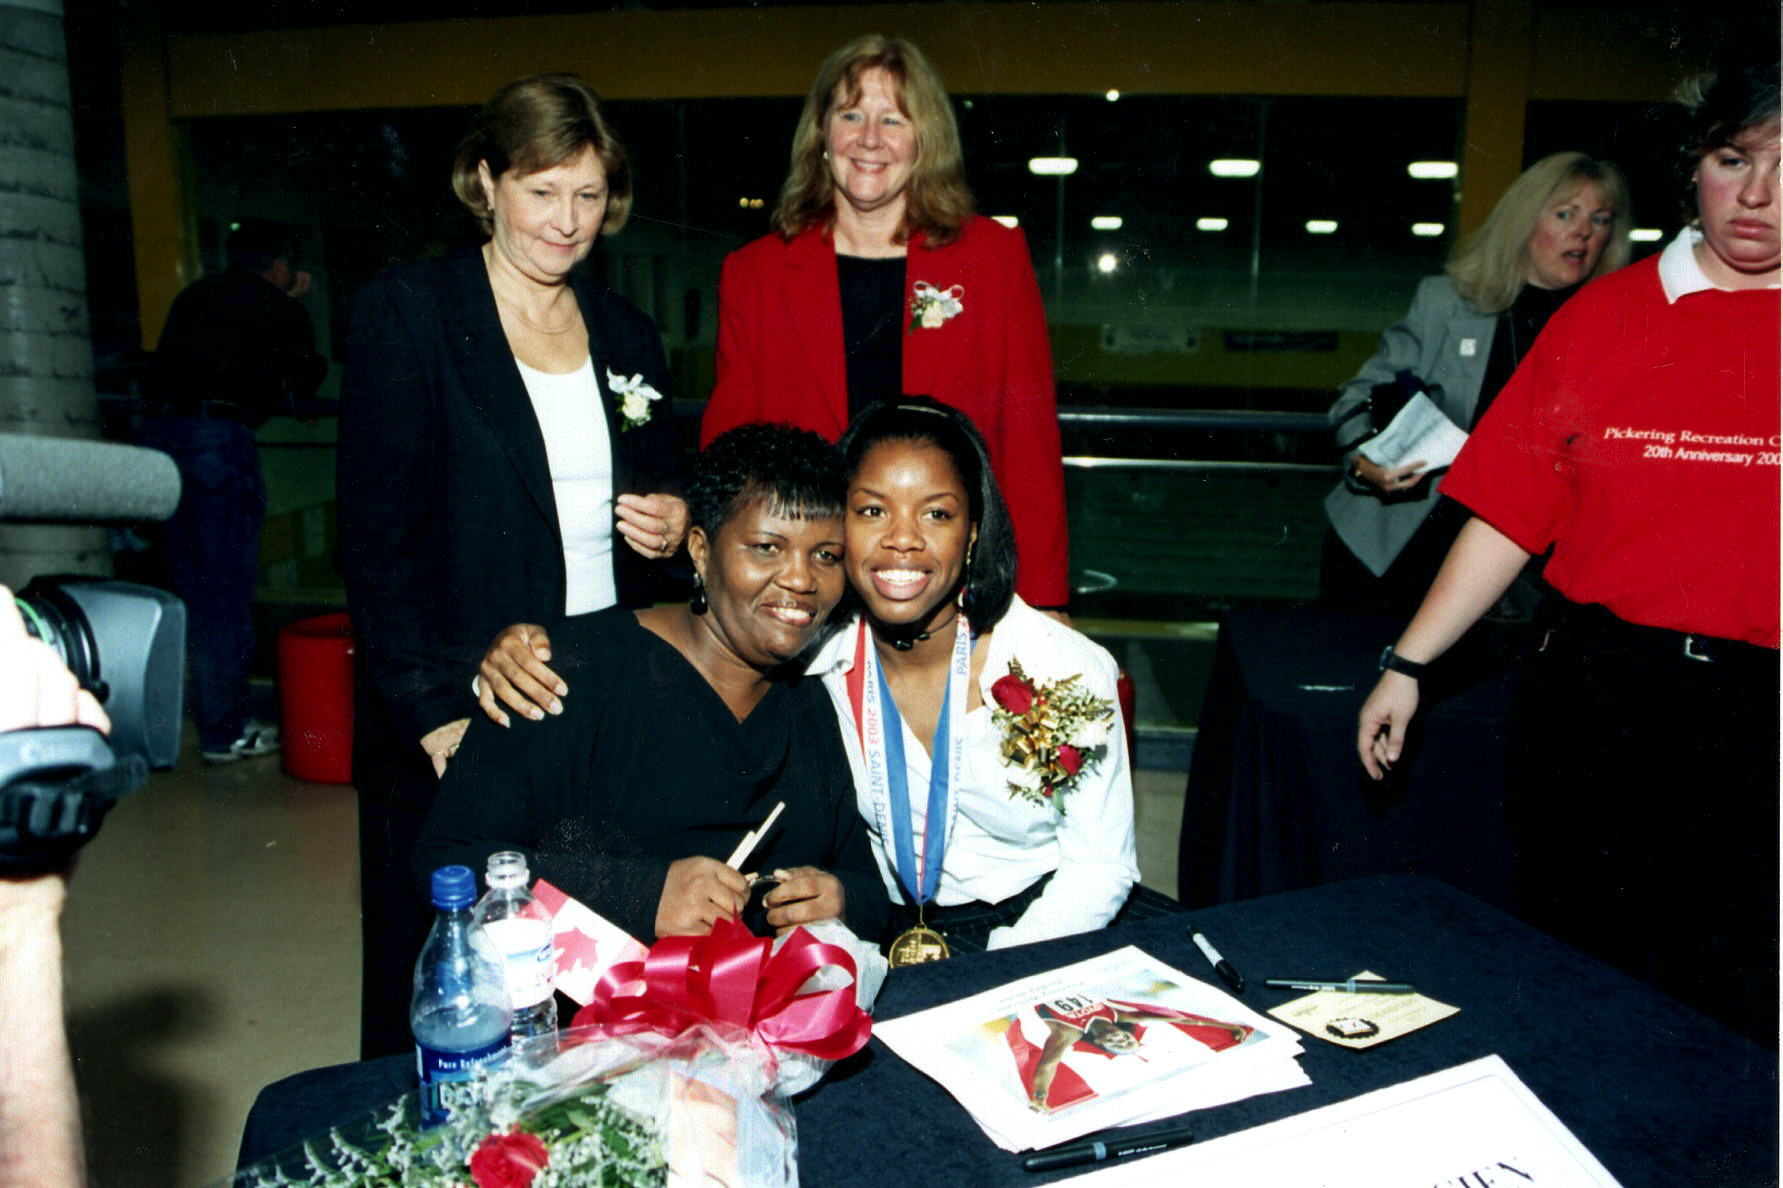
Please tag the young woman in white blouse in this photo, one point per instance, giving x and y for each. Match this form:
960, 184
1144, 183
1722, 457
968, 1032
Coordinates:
976, 852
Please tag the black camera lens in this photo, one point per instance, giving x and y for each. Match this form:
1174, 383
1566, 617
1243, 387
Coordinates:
56, 620
126, 645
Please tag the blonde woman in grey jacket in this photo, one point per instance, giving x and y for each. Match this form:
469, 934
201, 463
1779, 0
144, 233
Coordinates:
1562, 223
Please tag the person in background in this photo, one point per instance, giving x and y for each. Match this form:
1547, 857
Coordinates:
698, 725
1561, 223
878, 280
938, 630
237, 350
40, 1140
506, 455
1640, 441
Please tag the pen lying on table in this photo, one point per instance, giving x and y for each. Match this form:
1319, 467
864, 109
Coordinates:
1348, 986
1080, 1153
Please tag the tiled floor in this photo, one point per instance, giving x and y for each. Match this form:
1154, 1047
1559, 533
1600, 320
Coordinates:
213, 946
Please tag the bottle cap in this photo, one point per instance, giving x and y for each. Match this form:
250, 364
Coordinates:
507, 868
454, 887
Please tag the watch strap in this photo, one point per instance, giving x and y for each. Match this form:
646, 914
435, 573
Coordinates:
1392, 661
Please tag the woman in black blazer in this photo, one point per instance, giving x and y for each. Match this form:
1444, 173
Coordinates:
494, 403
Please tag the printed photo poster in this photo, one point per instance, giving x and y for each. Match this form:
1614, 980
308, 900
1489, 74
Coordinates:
1119, 1039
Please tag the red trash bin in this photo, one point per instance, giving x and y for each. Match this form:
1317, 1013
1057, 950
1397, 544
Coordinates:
315, 660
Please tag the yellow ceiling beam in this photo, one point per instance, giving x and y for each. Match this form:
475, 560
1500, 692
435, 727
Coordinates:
1137, 46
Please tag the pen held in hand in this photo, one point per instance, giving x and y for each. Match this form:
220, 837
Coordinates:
1347, 986
753, 838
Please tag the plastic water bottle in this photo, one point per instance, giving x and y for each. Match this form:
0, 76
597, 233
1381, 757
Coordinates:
521, 930
460, 1010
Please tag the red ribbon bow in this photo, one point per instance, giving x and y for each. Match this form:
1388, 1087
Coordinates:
730, 976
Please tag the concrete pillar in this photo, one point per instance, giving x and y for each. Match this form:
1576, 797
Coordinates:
46, 351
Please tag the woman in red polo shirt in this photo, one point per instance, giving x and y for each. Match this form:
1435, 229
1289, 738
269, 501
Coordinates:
1640, 439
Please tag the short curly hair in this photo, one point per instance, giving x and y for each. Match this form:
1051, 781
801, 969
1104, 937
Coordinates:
794, 471
1721, 107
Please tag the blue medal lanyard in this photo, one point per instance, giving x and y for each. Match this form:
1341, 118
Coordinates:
934, 833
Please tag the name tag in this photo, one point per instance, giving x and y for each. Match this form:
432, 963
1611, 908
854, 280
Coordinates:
1470, 347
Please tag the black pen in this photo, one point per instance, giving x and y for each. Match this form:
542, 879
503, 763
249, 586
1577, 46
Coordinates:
1228, 972
1080, 1153
1348, 986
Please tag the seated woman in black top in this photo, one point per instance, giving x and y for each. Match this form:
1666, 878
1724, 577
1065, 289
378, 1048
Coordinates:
689, 725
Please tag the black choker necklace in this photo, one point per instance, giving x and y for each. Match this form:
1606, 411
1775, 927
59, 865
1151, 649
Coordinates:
903, 643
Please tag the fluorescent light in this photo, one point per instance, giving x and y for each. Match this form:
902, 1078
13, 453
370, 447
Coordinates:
1427, 230
1431, 170
1006, 220
1053, 166
1106, 262
1112, 95
1106, 222
1215, 224
1233, 167
1321, 226
1646, 234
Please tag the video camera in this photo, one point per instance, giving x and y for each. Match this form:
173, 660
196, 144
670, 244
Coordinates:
124, 643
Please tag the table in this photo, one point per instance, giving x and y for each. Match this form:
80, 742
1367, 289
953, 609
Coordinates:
1662, 1095
1277, 799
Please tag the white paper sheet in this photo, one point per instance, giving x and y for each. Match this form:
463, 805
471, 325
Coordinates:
1194, 1046
1421, 432
1474, 1124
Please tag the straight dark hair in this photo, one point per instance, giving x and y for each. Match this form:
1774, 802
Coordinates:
990, 568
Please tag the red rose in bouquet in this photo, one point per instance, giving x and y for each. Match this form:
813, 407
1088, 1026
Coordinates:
1013, 694
1070, 758
507, 1160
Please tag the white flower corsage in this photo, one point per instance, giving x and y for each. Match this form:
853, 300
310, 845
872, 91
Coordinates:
635, 398
1052, 734
931, 306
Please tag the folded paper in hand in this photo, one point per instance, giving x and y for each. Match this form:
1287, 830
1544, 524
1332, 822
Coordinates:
1419, 433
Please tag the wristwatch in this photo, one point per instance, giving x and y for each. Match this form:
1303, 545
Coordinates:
1392, 661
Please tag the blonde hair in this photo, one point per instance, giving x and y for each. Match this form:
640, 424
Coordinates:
535, 123
937, 201
1490, 266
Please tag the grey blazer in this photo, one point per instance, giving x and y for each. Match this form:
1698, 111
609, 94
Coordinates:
1446, 343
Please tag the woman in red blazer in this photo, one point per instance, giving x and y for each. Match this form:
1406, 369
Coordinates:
879, 281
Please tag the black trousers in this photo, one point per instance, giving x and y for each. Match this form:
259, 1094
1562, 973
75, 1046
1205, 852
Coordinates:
1642, 795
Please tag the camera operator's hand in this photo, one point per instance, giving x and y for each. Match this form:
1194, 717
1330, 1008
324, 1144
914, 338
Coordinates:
36, 688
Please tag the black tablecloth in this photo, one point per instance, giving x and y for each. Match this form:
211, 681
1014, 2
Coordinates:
1277, 799
1662, 1095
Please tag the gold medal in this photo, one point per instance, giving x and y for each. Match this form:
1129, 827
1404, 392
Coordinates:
917, 946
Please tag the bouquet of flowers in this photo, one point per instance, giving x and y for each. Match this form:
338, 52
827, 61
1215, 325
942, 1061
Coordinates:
590, 1115
1052, 733
677, 1071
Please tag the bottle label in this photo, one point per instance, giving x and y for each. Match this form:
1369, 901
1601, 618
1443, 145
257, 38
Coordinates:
525, 946
446, 1077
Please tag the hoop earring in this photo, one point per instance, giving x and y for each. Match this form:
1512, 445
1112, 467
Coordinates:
965, 577
696, 601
